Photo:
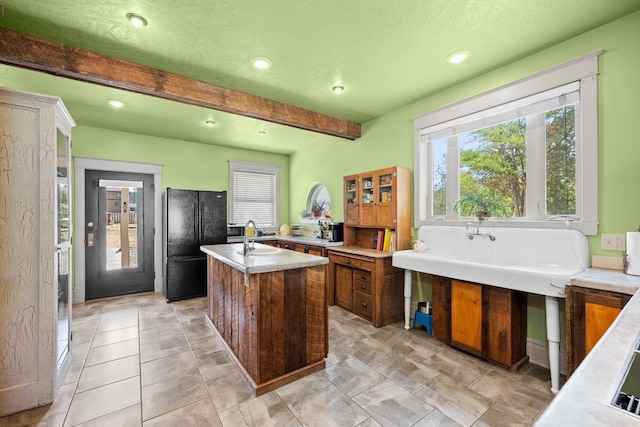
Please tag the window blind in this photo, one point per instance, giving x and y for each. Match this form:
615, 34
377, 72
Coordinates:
254, 193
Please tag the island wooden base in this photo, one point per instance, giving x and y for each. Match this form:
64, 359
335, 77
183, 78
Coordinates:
274, 383
274, 325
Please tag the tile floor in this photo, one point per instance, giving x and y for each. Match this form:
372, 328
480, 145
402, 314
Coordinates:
141, 361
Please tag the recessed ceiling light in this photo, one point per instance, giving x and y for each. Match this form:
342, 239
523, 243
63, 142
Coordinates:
115, 103
262, 133
458, 57
136, 20
261, 63
210, 123
338, 89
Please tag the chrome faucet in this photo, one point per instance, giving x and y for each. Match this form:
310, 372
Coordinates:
471, 235
245, 244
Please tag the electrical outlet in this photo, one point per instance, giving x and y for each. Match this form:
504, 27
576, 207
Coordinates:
613, 242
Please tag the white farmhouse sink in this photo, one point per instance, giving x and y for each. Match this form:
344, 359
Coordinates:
269, 250
533, 260
537, 261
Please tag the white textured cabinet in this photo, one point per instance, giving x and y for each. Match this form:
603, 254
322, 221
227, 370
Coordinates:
35, 253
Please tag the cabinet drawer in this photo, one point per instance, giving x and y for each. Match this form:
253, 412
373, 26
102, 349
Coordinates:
362, 281
286, 245
350, 261
315, 250
362, 305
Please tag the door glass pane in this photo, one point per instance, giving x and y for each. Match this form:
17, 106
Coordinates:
351, 191
62, 181
385, 184
367, 190
123, 207
63, 260
63, 247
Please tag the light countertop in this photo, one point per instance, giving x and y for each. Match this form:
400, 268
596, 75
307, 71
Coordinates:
359, 250
304, 240
231, 254
584, 399
607, 280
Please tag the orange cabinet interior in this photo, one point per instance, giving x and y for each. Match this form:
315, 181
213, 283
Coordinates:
466, 316
597, 319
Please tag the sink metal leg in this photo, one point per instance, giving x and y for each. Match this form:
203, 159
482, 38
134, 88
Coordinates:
553, 338
407, 297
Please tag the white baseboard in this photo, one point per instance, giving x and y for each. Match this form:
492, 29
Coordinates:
538, 351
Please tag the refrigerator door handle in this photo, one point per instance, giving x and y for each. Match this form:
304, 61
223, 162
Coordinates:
188, 258
196, 225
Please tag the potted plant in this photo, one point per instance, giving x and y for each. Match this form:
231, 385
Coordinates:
481, 206
317, 206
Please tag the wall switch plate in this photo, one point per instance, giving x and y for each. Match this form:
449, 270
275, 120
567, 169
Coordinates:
613, 242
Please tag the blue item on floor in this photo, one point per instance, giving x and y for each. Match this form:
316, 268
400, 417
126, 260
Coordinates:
422, 319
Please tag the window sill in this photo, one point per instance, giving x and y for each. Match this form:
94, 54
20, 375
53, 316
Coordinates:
586, 227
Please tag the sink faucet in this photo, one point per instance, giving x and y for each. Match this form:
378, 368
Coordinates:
470, 235
245, 245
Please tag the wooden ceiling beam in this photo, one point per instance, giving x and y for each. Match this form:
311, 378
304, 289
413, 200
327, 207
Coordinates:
26, 51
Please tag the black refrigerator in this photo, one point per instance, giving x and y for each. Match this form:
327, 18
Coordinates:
191, 219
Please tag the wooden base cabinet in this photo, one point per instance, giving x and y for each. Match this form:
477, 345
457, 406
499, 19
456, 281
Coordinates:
506, 326
487, 321
366, 284
590, 312
361, 278
274, 324
302, 247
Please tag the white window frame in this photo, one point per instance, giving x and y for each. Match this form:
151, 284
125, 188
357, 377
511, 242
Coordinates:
257, 168
583, 70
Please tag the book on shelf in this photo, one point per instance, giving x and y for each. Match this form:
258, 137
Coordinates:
392, 243
387, 240
379, 240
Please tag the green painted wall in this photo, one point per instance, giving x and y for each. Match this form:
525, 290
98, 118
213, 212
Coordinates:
185, 164
388, 141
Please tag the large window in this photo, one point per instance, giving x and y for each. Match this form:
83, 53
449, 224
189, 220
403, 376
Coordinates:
521, 155
254, 193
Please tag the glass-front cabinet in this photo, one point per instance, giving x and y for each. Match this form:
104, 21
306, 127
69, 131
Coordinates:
370, 199
351, 204
35, 254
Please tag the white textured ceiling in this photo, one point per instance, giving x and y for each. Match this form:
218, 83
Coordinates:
386, 54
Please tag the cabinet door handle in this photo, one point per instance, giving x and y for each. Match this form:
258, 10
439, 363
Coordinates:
364, 304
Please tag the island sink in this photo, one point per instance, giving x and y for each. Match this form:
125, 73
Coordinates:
268, 250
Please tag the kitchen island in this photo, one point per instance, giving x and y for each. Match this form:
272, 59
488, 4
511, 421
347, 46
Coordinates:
270, 310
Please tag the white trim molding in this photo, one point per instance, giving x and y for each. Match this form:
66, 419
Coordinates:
580, 76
